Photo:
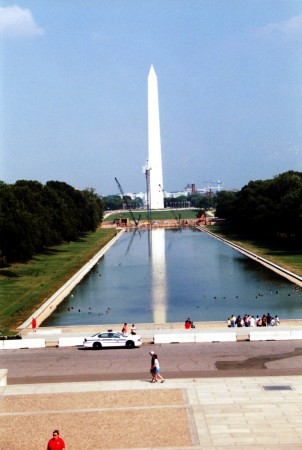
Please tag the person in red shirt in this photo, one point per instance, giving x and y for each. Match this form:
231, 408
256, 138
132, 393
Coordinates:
34, 324
56, 443
188, 323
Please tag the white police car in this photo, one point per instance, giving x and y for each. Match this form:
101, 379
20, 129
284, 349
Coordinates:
112, 338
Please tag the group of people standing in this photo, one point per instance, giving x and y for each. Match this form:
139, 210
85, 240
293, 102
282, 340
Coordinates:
250, 321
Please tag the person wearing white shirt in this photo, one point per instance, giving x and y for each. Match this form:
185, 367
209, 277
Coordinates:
252, 321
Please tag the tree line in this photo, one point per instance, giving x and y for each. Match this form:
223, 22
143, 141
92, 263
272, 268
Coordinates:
115, 202
34, 216
267, 208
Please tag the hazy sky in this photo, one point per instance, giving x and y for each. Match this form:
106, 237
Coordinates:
74, 90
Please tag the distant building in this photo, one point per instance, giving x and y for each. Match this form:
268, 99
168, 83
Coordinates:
189, 189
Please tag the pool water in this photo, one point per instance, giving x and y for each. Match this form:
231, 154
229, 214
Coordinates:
168, 275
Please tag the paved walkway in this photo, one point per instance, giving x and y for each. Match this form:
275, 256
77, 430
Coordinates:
180, 414
220, 414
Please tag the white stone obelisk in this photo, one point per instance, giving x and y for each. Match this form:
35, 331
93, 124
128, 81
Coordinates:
156, 194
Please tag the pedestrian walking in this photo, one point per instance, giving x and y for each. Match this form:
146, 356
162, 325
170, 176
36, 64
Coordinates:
133, 329
157, 370
125, 329
152, 368
56, 443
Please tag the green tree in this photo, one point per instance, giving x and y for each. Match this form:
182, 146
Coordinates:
266, 207
194, 199
225, 205
112, 202
33, 216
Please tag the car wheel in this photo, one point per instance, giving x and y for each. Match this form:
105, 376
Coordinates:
97, 346
129, 344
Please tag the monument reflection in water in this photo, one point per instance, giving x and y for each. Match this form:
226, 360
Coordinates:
158, 275
169, 275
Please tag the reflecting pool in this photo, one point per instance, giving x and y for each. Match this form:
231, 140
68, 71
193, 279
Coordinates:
168, 275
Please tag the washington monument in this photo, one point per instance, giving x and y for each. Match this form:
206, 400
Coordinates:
155, 172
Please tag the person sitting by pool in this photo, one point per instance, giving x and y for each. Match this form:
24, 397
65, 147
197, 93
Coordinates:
277, 320
239, 321
188, 323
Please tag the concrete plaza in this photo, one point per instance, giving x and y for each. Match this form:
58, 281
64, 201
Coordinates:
245, 411
208, 413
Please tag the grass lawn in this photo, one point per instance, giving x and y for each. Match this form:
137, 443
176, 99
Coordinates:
280, 253
166, 214
26, 286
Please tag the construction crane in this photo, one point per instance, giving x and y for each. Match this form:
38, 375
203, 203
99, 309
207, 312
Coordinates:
213, 182
136, 221
218, 183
